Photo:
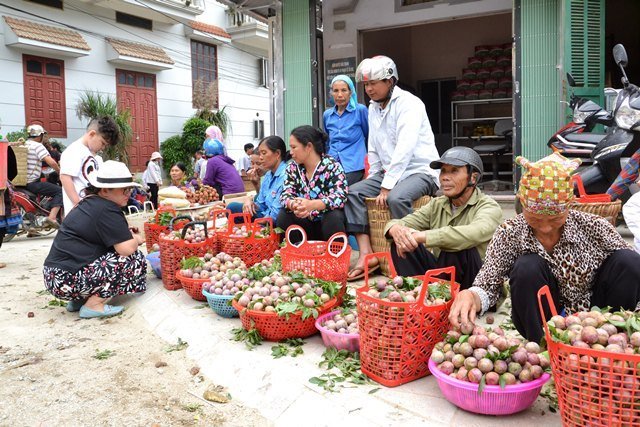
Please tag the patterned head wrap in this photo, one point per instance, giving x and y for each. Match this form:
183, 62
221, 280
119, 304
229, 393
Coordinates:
545, 186
353, 100
214, 132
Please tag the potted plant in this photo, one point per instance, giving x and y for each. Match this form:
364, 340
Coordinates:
93, 104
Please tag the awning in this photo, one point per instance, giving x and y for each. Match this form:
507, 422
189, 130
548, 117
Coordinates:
35, 36
142, 55
258, 9
206, 32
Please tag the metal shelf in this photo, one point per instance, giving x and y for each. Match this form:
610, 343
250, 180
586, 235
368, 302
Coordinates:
469, 114
481, 119
476, 138
484, 101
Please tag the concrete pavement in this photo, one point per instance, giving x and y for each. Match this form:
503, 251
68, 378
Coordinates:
280, 388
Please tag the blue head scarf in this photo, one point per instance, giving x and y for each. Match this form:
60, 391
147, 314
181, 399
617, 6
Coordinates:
353, 100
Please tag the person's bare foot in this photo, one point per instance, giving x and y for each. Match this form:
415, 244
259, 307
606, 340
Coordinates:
2, 265
52, 223
357, 272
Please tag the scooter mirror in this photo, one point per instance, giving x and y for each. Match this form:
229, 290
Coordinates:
620, 55
571, 80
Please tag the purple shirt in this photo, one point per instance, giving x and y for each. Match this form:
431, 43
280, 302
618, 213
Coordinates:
221, 174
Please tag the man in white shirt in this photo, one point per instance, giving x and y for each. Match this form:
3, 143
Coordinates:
244, 162
81, 158
401, 148
36, 154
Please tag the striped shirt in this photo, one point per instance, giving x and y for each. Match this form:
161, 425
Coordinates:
35, 155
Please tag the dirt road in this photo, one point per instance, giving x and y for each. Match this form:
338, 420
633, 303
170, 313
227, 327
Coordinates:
59, 370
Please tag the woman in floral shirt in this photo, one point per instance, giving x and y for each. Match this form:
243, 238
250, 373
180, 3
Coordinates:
580, 256
315, 187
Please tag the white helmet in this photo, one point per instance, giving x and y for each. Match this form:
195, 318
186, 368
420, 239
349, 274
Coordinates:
35, 131
377, 68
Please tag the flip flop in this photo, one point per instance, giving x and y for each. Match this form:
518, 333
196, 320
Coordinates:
361, 275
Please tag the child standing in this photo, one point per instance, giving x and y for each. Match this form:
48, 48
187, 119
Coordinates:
80, 158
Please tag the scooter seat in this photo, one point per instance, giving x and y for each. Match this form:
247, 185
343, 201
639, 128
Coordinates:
28, 193
491, 148
587, 138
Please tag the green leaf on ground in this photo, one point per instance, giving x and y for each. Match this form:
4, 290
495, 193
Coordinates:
250, 338
346, 363
192, 407
57, 303
279, 350
103, 354
179, 346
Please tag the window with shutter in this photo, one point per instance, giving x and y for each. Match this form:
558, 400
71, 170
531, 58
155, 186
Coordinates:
584, 48
204, 75
44, 94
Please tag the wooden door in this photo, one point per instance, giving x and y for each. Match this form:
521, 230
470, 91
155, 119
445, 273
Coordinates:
44, 93
137, 92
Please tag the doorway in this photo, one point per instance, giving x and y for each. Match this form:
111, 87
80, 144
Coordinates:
44, 94
460, 60
621, 26
137, 92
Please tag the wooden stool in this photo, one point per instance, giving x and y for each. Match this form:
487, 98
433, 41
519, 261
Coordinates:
378, 219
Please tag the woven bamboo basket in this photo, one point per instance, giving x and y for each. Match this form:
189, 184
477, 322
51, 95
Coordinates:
607, 210
248, 185
20, 150
378, 219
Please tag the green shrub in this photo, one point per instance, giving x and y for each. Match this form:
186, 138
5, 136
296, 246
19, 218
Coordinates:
173, 151
219, 118
193, 134
14, 136
94, 104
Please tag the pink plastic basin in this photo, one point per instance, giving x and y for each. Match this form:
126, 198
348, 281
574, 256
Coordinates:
493, 400
350, 342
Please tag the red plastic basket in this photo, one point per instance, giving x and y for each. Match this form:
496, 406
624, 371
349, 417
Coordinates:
185, 249
583, 197
250, 249
169, 261
493, 400
216, 214
396, 338
152, 230
272, 327
595, 387
349, 342
325, 260
192, 286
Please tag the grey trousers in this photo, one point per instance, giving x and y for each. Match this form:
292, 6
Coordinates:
400, 198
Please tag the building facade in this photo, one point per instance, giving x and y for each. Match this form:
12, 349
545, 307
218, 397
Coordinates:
151, 56
443, 51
